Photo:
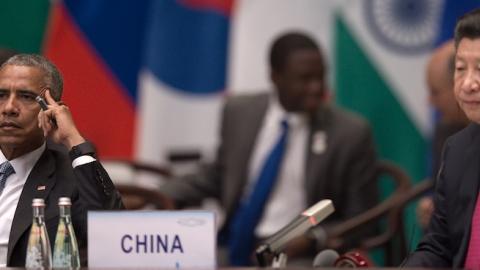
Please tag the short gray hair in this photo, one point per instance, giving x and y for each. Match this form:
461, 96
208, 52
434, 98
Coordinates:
53, 77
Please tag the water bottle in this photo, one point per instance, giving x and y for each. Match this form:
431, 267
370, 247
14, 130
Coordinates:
65, 251
39, 255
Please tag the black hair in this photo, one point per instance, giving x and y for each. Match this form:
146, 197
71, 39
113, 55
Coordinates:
53, 77
286, 44
468, 26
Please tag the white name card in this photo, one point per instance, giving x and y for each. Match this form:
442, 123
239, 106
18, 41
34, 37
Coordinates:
168, 239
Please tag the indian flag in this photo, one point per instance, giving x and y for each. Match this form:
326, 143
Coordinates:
381, 49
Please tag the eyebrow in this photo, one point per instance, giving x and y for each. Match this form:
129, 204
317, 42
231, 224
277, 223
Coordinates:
25, 91
21, 91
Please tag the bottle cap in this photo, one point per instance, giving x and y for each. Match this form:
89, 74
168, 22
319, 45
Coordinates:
38, 202
64, 201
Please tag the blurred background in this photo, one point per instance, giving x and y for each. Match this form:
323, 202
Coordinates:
145, 79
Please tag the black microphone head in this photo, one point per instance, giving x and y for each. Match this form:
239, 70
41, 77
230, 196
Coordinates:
325, 258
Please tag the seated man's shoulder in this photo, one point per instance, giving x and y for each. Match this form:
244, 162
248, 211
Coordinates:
462, 143
466, 134
348, 119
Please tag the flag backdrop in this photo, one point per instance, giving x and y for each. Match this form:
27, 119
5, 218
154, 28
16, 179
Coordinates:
147, 78
23, 24
141, 78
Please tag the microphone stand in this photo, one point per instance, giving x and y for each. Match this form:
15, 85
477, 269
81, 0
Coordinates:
264, 254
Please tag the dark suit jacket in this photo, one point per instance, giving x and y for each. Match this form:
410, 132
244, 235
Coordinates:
344, 172
88, 186
446, 241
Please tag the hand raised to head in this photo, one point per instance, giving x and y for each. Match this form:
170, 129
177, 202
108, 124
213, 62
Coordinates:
65, 131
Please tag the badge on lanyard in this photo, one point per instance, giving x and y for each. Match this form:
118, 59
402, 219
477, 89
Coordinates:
319, 142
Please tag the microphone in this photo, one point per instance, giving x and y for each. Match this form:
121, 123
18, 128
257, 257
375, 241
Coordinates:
309, 218
326, 258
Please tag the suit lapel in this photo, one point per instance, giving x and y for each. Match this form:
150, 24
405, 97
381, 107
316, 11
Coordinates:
38, 185
251, 118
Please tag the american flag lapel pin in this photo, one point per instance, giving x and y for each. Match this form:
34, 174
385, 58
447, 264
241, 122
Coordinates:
39, 188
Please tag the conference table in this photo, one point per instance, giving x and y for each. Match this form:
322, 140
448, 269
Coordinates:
230, 268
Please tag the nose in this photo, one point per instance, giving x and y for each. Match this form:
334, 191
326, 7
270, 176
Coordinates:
471, 83
10, 106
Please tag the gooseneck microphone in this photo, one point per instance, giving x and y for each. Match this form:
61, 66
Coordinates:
297, 227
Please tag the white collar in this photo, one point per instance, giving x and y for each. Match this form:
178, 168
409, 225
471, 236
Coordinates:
24, 163
293, 118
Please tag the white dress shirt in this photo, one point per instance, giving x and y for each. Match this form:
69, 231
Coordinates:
287, 199
11, 194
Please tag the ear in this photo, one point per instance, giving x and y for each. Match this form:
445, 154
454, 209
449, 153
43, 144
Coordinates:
275, 77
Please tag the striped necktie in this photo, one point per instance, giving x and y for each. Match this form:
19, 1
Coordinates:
6, 170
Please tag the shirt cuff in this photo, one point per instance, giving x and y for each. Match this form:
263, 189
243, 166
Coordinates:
82, 160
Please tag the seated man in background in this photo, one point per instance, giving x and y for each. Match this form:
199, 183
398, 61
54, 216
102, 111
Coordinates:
282, 152
440, 71
33, 168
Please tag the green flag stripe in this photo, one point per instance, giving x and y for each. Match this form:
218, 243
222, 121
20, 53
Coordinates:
23, 24
361, 88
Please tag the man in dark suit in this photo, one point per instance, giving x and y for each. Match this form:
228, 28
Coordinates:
329, 153
64, 167
452, 239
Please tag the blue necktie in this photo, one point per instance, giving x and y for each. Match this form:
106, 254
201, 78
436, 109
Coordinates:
241, 236
6, 170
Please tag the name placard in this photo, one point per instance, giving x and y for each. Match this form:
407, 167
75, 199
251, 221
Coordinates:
168, 239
